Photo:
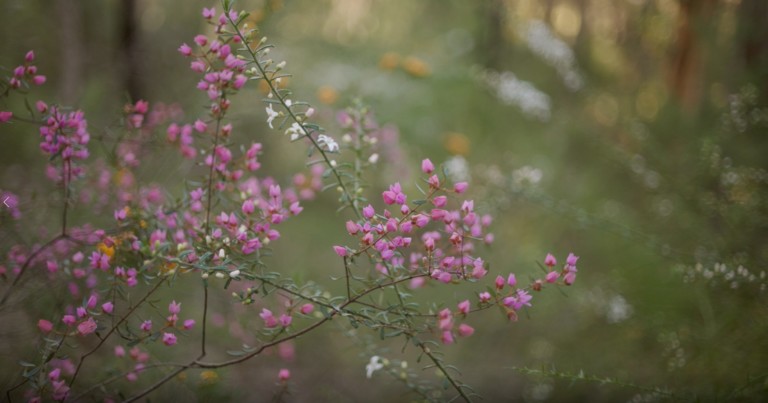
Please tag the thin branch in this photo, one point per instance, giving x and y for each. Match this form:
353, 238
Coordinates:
112, 330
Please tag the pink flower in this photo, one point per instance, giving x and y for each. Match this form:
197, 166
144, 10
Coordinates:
434, 182
119, 351
201, 40
484, 296
174, 308
169, 339
460, 187
466, 330
208, 13
440, 201
464, 307
340, 250
41, 106
44, 326
352, 227
240, 81
427, 167
570, 275
30, 56
5, 116
447, 337
552, 276
571, 260
368, 212
68, 320
499, 282
285, 320
284, 375
550, 260
185, 50
517, 301
38, 80
189, 324
511, 280
146, 325
87, 327
268, 317
200, 126
307, 308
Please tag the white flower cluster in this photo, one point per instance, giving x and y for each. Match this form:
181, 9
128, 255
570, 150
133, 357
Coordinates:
527, 174
514, 91
722, 273
554, 52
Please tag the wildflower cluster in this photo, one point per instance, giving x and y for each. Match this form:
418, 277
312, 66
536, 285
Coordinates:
218, 230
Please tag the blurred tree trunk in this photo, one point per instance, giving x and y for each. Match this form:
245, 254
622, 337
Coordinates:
72, 50
129, 48
685, 64
492, 37
753, 24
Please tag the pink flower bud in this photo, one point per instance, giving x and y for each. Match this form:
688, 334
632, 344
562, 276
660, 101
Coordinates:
511, 280
552, 276
464, 307
307, 308
185, 50
201, 40
484, 296
5, 116
248, 207
352, 227
460, 187
44, 326
340, 250
550, 260
440, 201
447, 337
368, 212
466, 330
284, 375
499, 282
285, 320
38, 80
30, 56
427, 167
189, 324
107, 307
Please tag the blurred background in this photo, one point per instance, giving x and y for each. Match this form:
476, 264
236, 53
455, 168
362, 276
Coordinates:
633, 133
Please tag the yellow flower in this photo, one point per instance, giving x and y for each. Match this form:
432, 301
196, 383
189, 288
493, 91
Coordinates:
208, 377
416, 67
389, 61
327, 95
456, 143
106, 250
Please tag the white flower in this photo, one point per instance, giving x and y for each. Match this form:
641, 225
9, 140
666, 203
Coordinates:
234, 273
271, 115
328, 142
373, 158
373, 366
296, 131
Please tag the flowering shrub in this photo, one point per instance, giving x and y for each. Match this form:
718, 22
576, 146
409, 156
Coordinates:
219, 231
